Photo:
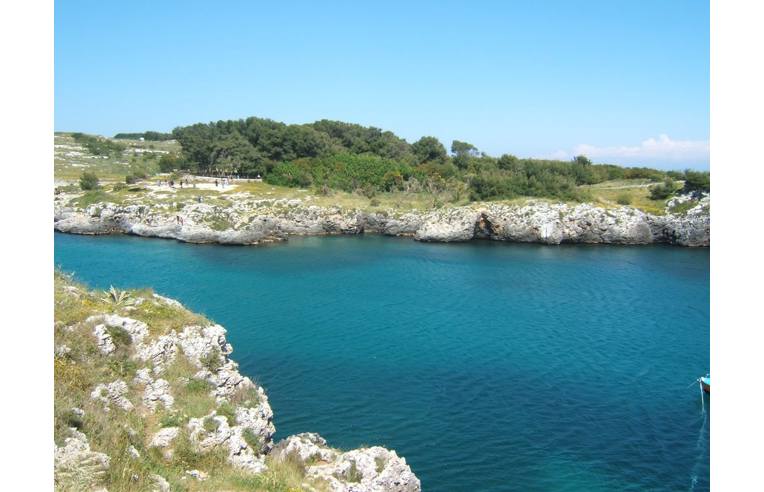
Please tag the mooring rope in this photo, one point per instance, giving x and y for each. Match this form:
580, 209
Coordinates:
698, 444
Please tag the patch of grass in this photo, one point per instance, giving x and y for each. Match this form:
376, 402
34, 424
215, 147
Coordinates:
119, 336
212, 360
281, 476
228, 411
210, 424
196, 386
683, 208
91, 197
623, 199
636, 192
163, 318
353, 475
170, 420
245, 396
218, 222
123, 367
192, 396
252, 439
380, 463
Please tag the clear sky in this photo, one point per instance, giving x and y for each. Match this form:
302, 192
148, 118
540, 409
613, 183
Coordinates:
620, 81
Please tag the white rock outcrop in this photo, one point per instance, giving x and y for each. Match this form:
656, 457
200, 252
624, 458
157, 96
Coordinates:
373, 469
76, 466
255, 221
112, 394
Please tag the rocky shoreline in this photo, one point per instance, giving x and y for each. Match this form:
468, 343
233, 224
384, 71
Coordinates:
252, 221
142, 400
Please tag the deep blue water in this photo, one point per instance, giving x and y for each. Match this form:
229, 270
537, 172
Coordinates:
489, 366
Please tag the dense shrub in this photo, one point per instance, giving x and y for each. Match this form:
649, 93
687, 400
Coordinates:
623, 199
98, 145
88, 181
346, 172
171, 162
150, 136
329, 155
696, 181
663, 190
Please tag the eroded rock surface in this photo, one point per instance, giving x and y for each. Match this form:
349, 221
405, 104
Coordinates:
247, 221
360, 470
238, 427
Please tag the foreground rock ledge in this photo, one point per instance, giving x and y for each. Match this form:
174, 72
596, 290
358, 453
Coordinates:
147, 398
249, 221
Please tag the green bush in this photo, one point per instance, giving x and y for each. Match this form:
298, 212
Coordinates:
88, 181
227, 410
119, 336
212, 360
170, 420
623, 199
252, 439
663, 190
697, 181
98, 145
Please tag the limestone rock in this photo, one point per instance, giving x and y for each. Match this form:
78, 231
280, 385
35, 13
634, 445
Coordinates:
307, 447
112, 394
367, 469
198, 475
231, 438
164, 437
76, 466
156, 392
160, 483
134, 453
256, 221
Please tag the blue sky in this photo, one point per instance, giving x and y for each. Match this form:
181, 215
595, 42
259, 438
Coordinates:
623, 82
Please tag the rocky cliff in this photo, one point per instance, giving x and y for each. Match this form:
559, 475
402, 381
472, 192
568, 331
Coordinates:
247, 221
148, 398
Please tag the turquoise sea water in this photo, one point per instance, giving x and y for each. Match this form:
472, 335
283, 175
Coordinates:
489, 366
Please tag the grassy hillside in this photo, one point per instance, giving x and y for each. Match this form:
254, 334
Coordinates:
113, 160
124, 436
72, 156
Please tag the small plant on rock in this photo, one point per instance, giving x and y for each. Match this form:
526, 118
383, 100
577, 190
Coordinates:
228, 411
247, 396
119, 336
116, 297
170, 420
252, 439
212, 360
211, 425
354, 475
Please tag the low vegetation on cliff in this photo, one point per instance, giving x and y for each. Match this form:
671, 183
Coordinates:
146, 398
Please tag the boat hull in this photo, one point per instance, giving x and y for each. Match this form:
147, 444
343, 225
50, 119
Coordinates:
706, 387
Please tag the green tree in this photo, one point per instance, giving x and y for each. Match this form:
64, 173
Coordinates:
462, 152
508, 162
88, 181
696, 181
429, 149
234, 154
582, 160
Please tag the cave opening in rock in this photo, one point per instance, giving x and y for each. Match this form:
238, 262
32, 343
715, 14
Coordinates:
483, 228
